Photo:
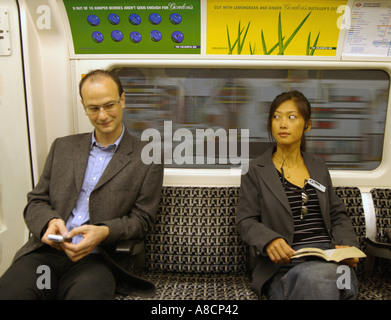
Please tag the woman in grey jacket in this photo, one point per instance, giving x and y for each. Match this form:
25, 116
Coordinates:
287, 202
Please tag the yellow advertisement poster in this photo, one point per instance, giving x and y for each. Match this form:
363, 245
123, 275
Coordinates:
253, 27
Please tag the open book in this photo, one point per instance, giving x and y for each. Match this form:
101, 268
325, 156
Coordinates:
336, 255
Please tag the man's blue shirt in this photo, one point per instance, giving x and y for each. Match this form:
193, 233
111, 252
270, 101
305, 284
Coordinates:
98, 160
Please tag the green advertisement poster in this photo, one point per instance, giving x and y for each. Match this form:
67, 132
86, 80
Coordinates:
134, 27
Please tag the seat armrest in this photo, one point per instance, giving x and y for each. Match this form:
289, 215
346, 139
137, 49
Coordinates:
378, 249
387, 232
380, 244
132, 247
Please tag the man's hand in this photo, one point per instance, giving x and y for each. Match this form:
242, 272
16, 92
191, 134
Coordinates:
92, 236
279, 251
352, 262
55, 226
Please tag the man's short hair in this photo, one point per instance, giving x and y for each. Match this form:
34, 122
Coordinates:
94, 74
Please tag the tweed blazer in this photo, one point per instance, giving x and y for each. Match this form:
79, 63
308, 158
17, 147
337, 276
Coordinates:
125, 199
264, 214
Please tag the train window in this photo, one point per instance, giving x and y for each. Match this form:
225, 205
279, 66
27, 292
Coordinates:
215, 118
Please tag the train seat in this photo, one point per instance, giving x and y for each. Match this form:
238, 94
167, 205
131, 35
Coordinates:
193, 251
379, 246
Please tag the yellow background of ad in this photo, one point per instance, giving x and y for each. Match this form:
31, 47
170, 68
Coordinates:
323, 19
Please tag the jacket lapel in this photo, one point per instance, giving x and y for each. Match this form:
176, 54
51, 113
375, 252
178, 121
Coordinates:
268, 173
81, 154
316, 173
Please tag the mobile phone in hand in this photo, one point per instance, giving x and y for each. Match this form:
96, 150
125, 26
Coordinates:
58, 238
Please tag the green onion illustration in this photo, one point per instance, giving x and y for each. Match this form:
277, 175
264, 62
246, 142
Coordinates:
281, 43
309, 51
283, 46
238, 40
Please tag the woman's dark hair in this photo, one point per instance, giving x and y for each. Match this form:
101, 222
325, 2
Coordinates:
101, 73
302, 104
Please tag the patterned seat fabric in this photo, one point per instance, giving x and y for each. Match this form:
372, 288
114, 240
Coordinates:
382, 203
351, 197
195, 232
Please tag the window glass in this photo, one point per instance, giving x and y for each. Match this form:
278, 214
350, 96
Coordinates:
210, 118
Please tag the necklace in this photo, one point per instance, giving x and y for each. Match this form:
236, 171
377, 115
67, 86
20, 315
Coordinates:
287, 174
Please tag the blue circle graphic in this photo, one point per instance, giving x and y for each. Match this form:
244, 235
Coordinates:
175, 18
114, 18
177, 36
117, 35
155, 18
135, 37
97, 36
156, 35
135, 19
93, 20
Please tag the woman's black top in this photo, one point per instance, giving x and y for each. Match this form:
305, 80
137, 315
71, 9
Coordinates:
309, 227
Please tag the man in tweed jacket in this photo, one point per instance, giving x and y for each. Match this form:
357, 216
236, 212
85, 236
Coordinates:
96, 190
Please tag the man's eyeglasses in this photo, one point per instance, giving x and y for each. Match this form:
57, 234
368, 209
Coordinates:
109, 107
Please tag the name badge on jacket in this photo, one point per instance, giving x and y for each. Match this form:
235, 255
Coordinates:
316, 185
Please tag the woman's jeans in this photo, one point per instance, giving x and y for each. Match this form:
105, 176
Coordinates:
313, 280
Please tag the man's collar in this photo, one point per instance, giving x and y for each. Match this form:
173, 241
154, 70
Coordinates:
113, 147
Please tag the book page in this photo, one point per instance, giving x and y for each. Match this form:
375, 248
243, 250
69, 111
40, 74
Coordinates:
309, 252
331, 254
346, 253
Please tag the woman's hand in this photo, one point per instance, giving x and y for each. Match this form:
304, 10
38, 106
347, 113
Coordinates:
279, 251
352, 262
